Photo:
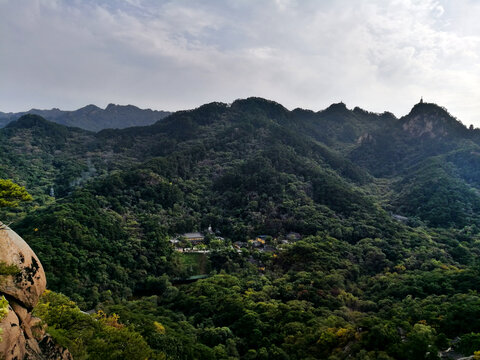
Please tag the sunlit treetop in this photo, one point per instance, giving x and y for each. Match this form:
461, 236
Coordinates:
12, 194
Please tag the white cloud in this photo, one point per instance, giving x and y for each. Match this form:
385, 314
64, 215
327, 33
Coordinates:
377, 54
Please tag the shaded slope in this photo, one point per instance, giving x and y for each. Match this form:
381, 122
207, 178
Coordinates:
433, 193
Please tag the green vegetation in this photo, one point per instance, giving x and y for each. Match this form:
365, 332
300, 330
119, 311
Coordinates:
7, 269
388, 212
195, 263
3, 311
89, 336
11, 194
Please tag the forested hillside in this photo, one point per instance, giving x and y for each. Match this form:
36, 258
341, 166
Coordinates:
332, 235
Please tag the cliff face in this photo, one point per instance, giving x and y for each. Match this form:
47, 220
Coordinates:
23, 336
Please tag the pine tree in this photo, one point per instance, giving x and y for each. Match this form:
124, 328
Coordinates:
11, 194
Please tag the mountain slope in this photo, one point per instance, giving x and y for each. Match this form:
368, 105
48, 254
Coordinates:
387, 210
217, 141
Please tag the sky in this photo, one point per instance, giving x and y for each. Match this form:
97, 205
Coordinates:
380, 55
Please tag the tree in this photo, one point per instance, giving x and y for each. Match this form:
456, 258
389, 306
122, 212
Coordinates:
11, 194
420, 343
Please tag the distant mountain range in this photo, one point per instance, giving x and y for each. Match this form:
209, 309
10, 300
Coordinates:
93, 118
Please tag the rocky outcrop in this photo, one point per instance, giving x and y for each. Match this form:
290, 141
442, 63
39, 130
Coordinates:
427, 120
425, 126
365, 138
12, 345
23, 335
30, 282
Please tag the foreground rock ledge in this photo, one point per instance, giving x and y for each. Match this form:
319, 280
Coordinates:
23, 335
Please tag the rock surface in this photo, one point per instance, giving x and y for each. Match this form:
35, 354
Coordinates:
12, 345
29, 284
23, 335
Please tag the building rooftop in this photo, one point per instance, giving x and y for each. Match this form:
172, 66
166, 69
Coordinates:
192, 235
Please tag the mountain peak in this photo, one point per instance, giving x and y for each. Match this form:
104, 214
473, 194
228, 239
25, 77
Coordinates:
40, 124
270, 107
337, 108
29, 121
432, 120
89, 108
112, 106
340, 105
429, 108
262, 108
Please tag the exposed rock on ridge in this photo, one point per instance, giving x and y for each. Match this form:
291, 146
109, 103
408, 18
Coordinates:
432, 121
23, 336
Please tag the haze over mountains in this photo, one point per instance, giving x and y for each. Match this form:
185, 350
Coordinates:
93, 118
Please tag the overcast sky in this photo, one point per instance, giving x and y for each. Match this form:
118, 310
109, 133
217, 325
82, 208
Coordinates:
171, 55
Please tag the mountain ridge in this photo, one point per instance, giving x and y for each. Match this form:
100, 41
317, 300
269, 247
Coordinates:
354, 144
94, 118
